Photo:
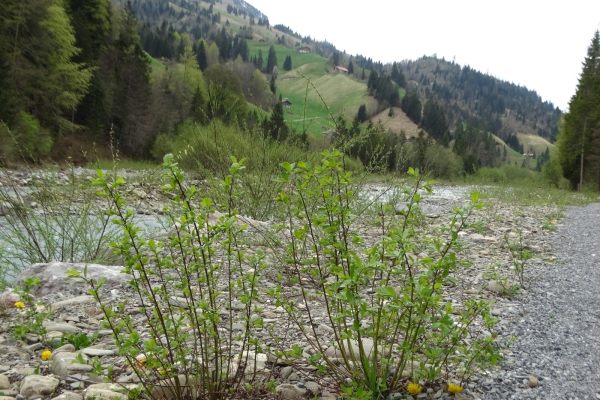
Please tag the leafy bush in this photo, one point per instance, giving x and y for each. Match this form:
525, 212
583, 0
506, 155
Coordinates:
383, 299
188, 285
491, 175
552, 174
207, 148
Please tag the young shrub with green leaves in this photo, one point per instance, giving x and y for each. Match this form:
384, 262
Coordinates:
186, 287
383, 300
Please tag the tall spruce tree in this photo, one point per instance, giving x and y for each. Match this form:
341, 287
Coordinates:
579, 139
271, 60
201, 55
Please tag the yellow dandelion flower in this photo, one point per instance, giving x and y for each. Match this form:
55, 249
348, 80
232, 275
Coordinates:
553, 222
20, 304
414, 388
46, 355
454, 388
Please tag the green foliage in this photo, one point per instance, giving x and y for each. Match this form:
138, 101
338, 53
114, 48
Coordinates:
434, 120
580, 133
271, 60
361, 116
287, 64
226, 100
30, 318
186, 306
40, 75
411, 105
28, 141
519, 255
199, 148
277, 128
79, 340
553, 175
379, 335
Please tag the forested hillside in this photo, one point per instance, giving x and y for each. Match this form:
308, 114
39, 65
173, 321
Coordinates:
484, 101
74, 73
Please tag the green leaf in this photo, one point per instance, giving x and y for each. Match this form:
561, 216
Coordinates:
475, 197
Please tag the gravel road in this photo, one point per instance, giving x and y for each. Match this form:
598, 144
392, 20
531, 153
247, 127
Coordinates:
559, 335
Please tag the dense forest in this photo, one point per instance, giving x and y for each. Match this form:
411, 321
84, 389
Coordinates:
80, 72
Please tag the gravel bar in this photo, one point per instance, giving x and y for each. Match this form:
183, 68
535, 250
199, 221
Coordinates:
558, 338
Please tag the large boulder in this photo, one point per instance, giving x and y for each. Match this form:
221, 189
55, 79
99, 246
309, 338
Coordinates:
53, 277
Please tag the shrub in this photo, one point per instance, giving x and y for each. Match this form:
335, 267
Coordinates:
491, 175
187, 285
383, 299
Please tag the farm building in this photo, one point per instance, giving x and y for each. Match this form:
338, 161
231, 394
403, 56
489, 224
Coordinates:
340, 69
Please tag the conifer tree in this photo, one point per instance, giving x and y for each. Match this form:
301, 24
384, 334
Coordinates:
287, 64
277, 128
260, 62
578, 144
201, 56
271, 60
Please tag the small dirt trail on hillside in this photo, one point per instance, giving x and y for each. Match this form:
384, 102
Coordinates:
559, 334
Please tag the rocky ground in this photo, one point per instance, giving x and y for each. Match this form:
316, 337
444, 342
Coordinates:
490, 276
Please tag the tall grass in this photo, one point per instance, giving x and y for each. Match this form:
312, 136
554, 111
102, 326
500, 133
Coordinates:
54, 218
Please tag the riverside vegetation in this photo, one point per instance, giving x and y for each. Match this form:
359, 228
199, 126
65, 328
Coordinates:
361, 278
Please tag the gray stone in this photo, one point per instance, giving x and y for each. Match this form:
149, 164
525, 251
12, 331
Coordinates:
495, 287
4, 382
73, 302
12, 352
53, 277
324, 330
60, 327
285, 372
92, 352
34, 385
8, 298
290, 392
107, 391
313, 388
63, 364
67, 348
34, 347
68, 396
26, 371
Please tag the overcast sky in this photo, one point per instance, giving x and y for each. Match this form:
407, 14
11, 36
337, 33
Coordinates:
533, 43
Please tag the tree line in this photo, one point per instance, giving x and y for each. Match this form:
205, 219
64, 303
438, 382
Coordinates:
77, 72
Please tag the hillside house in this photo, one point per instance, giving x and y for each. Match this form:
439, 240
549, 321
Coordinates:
304, 50
286, 103
340, 69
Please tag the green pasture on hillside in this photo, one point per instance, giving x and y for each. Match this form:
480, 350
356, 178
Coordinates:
336, 92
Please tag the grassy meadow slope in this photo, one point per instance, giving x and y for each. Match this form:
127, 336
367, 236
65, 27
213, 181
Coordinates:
534, 143
313, 88
399, 122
